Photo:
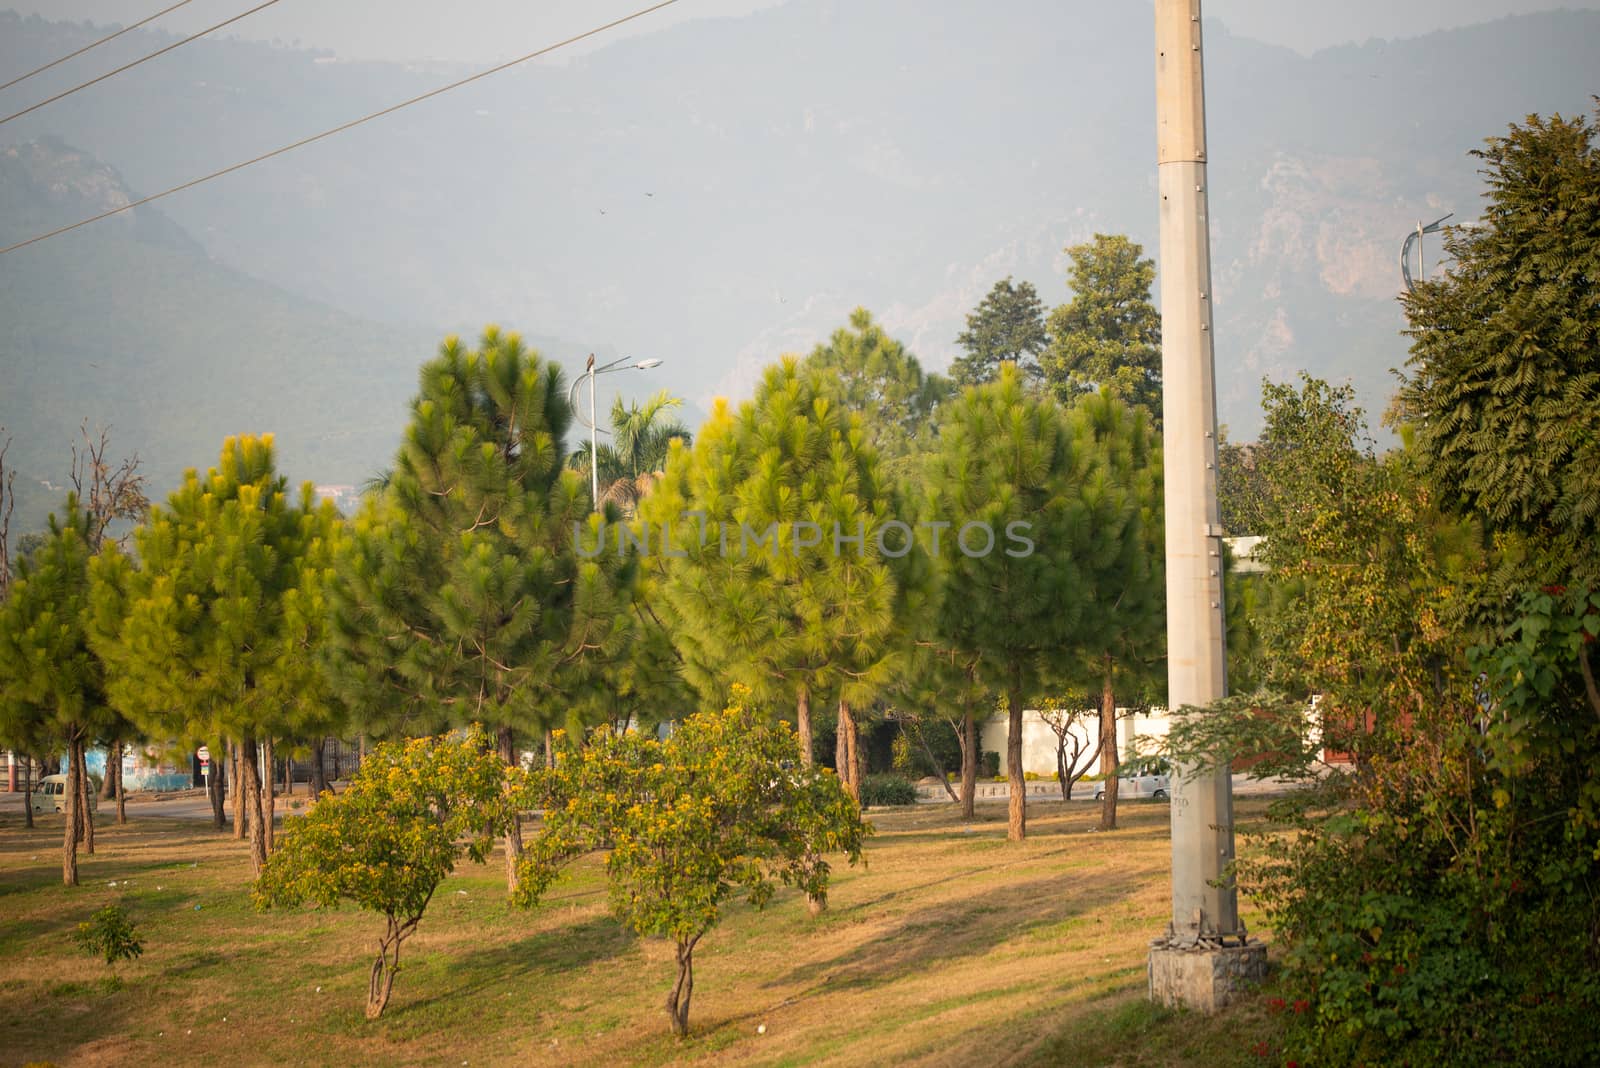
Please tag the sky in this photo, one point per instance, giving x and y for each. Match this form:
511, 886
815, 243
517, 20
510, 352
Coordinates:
486, 30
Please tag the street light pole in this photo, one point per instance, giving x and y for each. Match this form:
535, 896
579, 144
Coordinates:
1205, 906
594, 423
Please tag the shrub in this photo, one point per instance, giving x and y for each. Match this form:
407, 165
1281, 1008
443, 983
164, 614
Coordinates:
887, 790
109, 934
721, 809
990, 764
409, 814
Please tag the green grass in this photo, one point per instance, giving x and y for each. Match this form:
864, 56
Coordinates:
950, 946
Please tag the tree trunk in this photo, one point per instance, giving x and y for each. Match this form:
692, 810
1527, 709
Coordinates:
380, 980
216, 785
1061, 768
550, 750
27, 792
969, 765
319, 781
338, 753
69, 835
85, 817
508, 753
269, 804
849, 766
933, 762
802, 726
1017, 814
236, 773
108, 785
122, 793
250, 786
1110, 756
683, 989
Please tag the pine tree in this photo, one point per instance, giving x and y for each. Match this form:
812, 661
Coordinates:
1109, 335
782, 586
1010, 460
461, 596
875, 377
1007, 326
1124, 593
194, 634
52, 687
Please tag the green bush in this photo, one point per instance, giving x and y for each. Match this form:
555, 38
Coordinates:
989, 764
109, 934
887, 790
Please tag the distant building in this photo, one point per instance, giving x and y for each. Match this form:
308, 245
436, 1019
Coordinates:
1039, 741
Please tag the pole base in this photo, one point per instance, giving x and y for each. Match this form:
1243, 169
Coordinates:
1204, 978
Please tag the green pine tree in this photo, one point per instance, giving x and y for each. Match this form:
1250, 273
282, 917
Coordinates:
782, 586
52, 687
1012, 461
462, 595
1108, 336
1007, 326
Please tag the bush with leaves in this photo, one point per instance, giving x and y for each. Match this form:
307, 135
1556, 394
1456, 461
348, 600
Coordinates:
888, 790
110, 935
721, 809
408, 816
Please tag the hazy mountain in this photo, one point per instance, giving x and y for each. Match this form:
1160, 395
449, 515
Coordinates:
130, 325
725, 190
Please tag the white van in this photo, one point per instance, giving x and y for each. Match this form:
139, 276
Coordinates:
51, 795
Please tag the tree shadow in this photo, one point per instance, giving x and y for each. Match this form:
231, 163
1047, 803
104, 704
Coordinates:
552, 953
965, 928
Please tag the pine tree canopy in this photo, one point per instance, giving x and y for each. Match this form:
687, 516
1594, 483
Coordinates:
875, 377
460, 596
1108, 336
1006, 327
51, 686
1504, 386
195, 634
759, 598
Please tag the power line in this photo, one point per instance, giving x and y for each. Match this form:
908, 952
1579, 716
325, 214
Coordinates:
135, 63
342, 127
94, 44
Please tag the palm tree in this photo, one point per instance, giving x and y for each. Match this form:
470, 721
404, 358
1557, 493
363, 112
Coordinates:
641, 437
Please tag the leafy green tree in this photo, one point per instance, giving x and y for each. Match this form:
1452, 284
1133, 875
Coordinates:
461, 596
876, 377
1007, 326
1010, 463
1108, 336
52, 687
781, 584
194, 636
410, 814
1504, 388
720, 810
643, 435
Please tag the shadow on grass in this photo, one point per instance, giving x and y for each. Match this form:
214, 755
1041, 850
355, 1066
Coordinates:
50, 1022
952, 931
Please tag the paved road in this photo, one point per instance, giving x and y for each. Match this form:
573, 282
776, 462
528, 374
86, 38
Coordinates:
186, 806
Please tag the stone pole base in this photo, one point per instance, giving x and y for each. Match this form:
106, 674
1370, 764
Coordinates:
1204, 978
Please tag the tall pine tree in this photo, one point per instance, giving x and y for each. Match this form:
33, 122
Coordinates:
1108, 336
461, 596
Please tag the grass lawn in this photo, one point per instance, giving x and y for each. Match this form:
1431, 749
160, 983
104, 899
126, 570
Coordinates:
950, 947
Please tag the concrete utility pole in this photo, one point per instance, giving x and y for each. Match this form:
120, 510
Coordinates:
1204, 952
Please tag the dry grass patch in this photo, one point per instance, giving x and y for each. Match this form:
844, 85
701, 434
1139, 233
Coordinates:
951, 947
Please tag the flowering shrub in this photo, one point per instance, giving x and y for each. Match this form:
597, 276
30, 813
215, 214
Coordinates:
721, 809
410, 813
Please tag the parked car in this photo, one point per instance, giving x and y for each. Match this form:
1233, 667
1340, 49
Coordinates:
1156, 786
51, 795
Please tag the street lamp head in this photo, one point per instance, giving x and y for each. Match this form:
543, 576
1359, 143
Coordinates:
645, 365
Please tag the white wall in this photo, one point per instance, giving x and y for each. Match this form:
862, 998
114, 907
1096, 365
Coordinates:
1039, 741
